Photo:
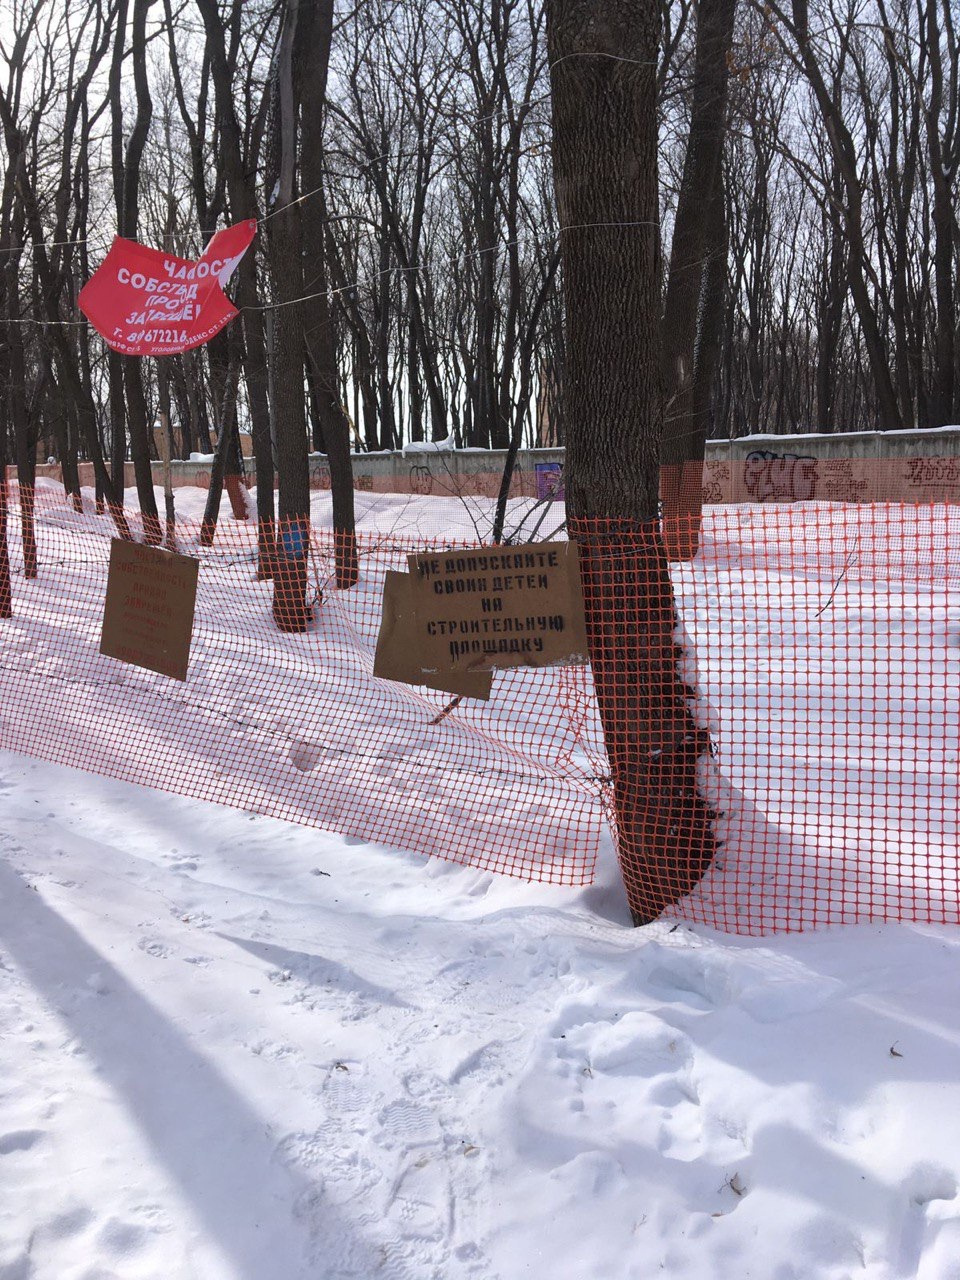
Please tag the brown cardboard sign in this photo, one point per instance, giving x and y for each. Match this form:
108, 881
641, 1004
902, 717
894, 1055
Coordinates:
148, 613
396, 657
499, 607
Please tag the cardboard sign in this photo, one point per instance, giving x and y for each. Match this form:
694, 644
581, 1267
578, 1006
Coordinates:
148, 614
144, 302
396, 657
499, 607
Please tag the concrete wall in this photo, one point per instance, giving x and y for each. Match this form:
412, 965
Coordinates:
908, 466
874, 466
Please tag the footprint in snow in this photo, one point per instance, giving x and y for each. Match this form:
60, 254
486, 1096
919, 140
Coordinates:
408, 1123
151, 947
343, 1092
421, 1204
19, 1140
419, 1222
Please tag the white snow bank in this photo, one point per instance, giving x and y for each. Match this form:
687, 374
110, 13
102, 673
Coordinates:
430, 446
237, 1050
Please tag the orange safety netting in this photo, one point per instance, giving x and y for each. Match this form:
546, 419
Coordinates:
801, 770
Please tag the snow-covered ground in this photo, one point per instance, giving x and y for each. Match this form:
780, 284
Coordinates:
237, 1049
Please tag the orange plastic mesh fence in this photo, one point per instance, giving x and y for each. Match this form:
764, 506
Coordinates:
782, 712
293, 726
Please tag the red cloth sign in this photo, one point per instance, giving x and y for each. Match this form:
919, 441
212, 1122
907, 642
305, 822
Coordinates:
144, 302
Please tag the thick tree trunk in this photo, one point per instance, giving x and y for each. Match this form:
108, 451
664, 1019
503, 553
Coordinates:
603, 72
288, 399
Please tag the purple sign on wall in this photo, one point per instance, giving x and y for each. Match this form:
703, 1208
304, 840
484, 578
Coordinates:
549, 481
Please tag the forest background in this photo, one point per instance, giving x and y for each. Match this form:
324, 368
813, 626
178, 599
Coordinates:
412, 206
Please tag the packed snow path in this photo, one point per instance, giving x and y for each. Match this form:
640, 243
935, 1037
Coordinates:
232, 1049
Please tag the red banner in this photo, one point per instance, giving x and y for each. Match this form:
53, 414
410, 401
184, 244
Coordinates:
144, 302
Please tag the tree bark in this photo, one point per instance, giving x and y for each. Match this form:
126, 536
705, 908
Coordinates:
6, 586
603, 74
243, 204
127, 189
288, 400
944, 160
313, 59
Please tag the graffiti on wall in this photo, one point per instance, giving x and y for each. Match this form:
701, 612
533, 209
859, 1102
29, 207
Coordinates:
845, 480
549, 481
934, 471
460, 484
421, 478
779, 477
716, 482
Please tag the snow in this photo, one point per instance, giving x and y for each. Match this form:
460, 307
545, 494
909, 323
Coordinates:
237, 1049
910, 433
430, 446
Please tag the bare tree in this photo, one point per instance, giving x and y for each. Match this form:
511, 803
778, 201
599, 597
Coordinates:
321, 342
603, 72
693, 308
239, 150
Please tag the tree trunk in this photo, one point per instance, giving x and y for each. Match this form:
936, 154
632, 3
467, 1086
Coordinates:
942, 173
24, 441
288, 401
127, 190
224, 454
243, 204
686, 341
314, 55
6, 586
118, 423
72, 384
603, 73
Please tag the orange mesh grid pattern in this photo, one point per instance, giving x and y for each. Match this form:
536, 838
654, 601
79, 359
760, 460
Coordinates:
782, 712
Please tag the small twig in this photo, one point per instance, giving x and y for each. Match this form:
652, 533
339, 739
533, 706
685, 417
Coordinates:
850, 560
546, 503
451, 706
456, 489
